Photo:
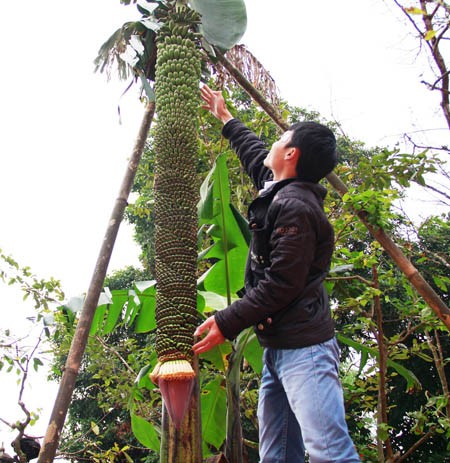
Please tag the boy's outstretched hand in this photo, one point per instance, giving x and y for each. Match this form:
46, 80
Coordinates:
212, 339
215, 104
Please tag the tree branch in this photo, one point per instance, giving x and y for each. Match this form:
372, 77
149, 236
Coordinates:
416, 445
438, 357
351, 277
439, 61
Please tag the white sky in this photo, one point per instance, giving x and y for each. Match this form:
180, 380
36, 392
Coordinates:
63, 152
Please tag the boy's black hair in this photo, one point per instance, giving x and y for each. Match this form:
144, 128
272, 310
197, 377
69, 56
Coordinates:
317, 145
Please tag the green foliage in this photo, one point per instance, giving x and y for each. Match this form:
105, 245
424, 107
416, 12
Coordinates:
112, 455
433, 248
412, 381
228, 249
125, 278
213, 400
377, 204
391, 166
114, 404
145, 432
377, 178
129, 308
42, 292
105, 417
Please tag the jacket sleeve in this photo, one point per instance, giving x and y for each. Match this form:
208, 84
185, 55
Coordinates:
250, 150
293, 245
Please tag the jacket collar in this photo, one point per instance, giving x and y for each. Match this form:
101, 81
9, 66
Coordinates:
276, 186
316, 188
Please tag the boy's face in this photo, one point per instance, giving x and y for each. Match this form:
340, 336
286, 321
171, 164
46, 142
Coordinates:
276, 157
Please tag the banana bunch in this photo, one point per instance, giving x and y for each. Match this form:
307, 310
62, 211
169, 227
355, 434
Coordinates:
178, 69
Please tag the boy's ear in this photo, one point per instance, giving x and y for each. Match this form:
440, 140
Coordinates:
293, 153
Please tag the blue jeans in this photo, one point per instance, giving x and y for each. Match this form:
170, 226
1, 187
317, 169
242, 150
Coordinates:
301, 406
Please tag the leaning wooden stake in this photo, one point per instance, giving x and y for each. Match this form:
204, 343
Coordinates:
79, 341
403, 263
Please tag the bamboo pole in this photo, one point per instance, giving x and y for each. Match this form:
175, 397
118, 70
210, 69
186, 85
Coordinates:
403, 263
79, 341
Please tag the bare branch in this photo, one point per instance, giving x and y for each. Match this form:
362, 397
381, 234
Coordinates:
432, 40
439, 362
10, 425
349, 278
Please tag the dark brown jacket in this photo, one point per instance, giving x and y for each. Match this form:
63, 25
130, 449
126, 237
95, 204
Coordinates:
289, 257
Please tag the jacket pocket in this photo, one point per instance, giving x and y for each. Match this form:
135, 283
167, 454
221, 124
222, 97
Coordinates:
259, 246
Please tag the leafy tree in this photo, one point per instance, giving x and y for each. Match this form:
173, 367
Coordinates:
19, 353
378, 308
